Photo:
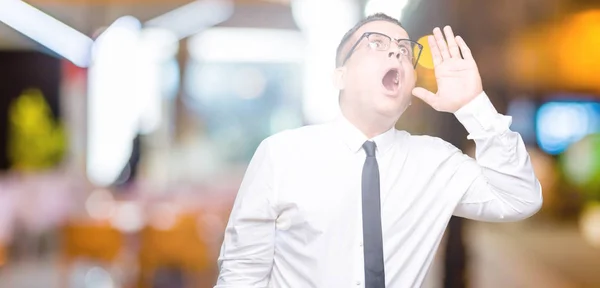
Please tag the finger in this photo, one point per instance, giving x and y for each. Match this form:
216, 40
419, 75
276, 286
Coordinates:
435, 51
426, 95
452, 46
441, 43
466, 52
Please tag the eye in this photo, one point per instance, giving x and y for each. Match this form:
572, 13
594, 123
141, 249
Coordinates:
404, 51
375, 44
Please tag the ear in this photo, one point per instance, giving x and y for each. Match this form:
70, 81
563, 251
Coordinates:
339, 78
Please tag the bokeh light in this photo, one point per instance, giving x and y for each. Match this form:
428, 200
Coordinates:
581, 164
426, 59
589, 224
561, 123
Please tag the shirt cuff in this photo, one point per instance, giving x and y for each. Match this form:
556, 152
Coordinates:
481, 119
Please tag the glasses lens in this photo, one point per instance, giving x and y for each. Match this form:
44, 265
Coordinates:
379, 42
412, 50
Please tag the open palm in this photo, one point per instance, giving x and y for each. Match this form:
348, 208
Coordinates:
457, 76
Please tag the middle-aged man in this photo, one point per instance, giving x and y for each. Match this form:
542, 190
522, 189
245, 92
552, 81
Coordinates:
357, 203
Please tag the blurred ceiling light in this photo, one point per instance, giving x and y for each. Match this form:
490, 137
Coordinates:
323, 31
248, 45
158, 43
392, 8
315, 17
125, 93
46, 30
123, 25
113, 100
194, 17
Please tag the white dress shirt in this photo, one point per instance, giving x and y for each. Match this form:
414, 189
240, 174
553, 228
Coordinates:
296, 221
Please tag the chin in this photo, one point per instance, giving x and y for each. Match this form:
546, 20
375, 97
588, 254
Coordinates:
390, 110
391, 105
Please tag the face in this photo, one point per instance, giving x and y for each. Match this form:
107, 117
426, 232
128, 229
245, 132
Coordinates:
377, 82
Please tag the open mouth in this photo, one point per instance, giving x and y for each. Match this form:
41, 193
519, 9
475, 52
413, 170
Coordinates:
391, 80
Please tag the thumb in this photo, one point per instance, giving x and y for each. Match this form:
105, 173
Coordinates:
425, 95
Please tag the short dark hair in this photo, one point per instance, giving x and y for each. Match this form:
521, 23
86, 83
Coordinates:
350, 33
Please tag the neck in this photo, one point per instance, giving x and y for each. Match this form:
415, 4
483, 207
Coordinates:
369, 126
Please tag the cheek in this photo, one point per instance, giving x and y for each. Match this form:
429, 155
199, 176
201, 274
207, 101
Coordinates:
371, 71
410, 76
364, 75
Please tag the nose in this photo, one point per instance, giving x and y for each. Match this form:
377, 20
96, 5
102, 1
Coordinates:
394, 51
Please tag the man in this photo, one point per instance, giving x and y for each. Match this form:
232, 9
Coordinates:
357, 203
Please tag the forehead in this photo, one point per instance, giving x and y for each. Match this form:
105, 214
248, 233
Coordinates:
385, 27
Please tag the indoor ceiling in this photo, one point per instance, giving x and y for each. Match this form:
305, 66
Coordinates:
487, 26
87, 16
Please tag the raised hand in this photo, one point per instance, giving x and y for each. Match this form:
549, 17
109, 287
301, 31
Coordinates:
457, 76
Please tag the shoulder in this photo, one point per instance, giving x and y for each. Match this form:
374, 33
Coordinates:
430, 145
437, 154
295, 139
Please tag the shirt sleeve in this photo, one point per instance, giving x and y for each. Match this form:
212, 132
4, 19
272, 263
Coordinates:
246, 256
503, 184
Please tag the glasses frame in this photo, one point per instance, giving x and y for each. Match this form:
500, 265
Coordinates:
397, 41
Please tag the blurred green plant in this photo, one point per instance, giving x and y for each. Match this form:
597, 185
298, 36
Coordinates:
36, 140
581, 166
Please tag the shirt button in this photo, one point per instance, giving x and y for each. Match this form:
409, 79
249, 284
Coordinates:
361, 244
357, 283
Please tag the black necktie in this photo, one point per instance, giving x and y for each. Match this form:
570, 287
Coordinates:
371, 212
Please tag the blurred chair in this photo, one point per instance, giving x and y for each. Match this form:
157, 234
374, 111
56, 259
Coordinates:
3, 255
179, 247
92, 240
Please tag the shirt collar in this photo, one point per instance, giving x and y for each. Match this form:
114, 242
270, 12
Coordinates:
353, 138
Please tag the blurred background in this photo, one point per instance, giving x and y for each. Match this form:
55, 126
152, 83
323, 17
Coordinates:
126, 127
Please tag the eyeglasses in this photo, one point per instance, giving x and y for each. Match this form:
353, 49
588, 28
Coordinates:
381, 42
